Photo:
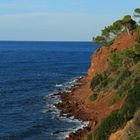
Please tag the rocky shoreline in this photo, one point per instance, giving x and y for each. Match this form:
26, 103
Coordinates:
77, 103
72, 107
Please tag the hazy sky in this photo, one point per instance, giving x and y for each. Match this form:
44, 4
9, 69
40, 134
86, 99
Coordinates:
59, 20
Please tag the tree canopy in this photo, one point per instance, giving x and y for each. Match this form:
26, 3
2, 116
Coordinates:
111, 32
137, 12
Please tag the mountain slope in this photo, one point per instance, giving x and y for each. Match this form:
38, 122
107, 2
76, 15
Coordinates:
104, 95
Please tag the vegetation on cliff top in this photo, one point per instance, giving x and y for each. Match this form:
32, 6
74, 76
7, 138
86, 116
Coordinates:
122, 76
111, 32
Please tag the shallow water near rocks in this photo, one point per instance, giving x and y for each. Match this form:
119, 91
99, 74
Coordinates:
30, 73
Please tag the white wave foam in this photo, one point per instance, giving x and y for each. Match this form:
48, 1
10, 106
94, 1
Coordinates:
59, 85
67, 86
65, 134
55, 113
81, 126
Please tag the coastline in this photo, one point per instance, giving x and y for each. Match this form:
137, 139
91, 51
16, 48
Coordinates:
77, 103
69, 106
78, 124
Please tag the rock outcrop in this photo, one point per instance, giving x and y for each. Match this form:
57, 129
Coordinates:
78, 103
100, 58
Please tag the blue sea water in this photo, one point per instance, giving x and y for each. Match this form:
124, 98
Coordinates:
30, 72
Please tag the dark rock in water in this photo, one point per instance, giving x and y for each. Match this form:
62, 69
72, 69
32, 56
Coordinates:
69, 115
49, 110
57, 132
56, 94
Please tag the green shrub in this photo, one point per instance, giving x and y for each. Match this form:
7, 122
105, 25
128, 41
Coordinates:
105, 82
131, 56
138, 38
90, 136
121, 76
120, 58
137, 50
116, 59
100, 81
110, 124
118, 96
118, 118
129, 52
132, 101
135, 137
97, 80
93, 97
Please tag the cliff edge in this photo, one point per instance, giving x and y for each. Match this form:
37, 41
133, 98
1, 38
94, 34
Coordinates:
108, 97
99, 60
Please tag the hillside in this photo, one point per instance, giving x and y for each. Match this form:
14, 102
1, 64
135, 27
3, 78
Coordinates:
80, 103
121, 78
109, 96
100, 58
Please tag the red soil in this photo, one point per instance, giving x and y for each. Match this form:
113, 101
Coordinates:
78, 104
99, 59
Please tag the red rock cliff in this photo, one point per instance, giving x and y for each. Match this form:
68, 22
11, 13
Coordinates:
99, 59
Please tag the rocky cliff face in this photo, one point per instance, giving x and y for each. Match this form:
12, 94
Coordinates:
78, 103
99, 63
100, 58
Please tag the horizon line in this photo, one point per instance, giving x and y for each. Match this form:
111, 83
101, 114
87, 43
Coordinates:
43, 41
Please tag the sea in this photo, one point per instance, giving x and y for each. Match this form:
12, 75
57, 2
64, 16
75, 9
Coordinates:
30, 74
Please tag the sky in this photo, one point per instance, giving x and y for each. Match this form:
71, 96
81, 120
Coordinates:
59, 20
